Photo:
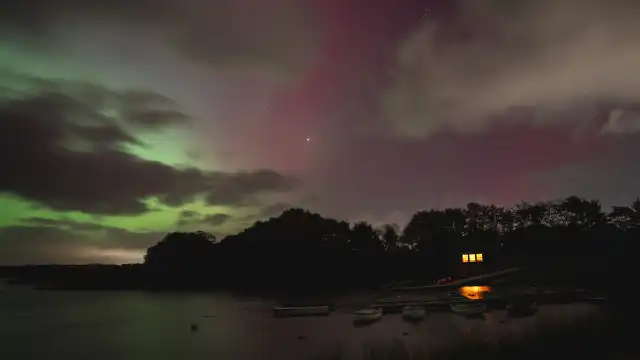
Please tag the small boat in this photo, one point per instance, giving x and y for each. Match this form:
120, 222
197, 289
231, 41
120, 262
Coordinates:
368, 315
470, 309
285, 311
414, 312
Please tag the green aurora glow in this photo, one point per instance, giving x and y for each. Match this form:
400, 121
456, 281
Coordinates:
170, 146
405, 112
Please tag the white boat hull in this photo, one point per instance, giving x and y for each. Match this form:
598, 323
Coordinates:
367, 315
301, 311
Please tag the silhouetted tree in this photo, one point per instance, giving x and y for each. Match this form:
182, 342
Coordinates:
474, 217
181, 250
531, 214
570, 241
626, 217
582, 213
390, 237
364, 238
181, 259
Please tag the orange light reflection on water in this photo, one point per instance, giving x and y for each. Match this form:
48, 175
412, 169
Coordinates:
474, 292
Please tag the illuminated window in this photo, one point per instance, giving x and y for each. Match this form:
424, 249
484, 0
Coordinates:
472, 258
467, 258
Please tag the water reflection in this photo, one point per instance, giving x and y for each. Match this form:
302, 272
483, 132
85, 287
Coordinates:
474, 292
133, 325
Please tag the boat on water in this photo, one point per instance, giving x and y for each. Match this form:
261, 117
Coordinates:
469, 309
287, 311
414, 312
368, 315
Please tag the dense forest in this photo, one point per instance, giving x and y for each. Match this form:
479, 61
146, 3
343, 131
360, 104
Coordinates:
571, 242
568, 242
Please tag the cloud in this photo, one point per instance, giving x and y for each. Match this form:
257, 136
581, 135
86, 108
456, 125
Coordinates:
62, 241
610, 175
60, 149
216, 219
88, 103
188, 218
232, 188
150, 110
111, 236
274, 210
622, 120
463, 69
63, 223
501, 165
278, 34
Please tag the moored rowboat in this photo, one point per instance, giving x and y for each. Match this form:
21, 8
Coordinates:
368, 315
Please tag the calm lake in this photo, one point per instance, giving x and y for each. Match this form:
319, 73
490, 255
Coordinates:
137, 325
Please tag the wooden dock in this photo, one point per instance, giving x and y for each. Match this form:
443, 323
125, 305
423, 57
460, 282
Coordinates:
457, 283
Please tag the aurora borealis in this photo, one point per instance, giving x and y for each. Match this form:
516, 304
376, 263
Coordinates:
124, 120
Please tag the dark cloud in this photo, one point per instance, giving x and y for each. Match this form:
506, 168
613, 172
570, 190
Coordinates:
274, 210
63, 242
62, 152
35, 245
193, 218
117, 238
156, 118
150, 110
113, 237
189, 214
233, 187
216, 219
91, 104
226, 32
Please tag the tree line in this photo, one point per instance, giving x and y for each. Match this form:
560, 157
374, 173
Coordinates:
570, 241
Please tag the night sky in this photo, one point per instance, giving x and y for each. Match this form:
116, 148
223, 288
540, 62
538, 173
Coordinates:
125, 119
